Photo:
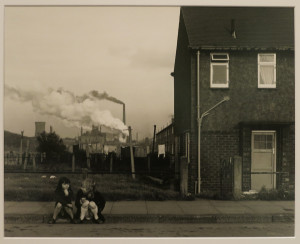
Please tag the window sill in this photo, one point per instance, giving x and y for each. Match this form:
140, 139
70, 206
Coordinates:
266, 87
219, 87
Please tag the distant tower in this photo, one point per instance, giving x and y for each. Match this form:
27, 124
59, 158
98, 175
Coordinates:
39, 128
124, 116
51, 129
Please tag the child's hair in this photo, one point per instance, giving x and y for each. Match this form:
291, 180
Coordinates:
89, 184
61, 181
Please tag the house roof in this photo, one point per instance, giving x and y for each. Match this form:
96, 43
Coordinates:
255, 27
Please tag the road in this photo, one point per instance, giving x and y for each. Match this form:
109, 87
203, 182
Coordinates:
150, 230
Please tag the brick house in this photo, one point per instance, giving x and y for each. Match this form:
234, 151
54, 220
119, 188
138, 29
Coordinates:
237, 63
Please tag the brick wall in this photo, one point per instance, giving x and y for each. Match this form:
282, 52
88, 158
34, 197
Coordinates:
247, 103
288, 158
215, 147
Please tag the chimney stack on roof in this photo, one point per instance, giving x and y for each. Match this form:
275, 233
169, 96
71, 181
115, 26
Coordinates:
233, 34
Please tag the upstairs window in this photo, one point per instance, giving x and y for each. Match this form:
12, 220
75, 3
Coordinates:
219, 66
266, 70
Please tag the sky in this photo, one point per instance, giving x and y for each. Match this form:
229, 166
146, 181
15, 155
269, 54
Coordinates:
55, 55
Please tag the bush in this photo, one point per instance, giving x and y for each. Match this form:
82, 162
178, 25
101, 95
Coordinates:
273, 194
215, 195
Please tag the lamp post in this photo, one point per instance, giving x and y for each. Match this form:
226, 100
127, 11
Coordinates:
206, 113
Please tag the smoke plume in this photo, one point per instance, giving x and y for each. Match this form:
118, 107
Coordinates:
74, 111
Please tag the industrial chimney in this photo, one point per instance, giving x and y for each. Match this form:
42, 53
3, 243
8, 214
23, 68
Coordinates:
39, 128
124, 117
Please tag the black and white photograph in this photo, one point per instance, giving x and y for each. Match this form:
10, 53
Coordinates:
148, 121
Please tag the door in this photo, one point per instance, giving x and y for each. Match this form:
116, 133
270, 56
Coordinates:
263, 156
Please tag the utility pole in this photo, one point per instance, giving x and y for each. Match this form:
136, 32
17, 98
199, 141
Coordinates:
131, 153
26, 155
154, 139
88, 162
21, 146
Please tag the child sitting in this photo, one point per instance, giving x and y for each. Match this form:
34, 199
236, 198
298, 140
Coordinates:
63, 197
89, 202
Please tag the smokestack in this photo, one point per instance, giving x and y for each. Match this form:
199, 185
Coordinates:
39, 128
51, 129
124, 117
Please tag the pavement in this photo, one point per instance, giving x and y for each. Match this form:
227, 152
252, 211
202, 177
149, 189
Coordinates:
197, 211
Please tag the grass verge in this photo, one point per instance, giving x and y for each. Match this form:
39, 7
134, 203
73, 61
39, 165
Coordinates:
40, 187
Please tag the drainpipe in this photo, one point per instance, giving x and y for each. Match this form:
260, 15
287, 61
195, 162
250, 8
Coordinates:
198, 117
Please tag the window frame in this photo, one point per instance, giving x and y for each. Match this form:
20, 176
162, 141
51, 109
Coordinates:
259, 64
219, 62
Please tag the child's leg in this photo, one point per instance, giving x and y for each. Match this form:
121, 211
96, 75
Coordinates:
69, 210
100, 209
84, 209
57, 210
94, 209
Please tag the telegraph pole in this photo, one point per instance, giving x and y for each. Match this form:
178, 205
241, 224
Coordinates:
131, 153
21, 146
154, 139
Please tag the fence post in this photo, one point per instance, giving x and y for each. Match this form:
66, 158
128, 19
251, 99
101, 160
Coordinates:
111, 163
131, 153
88, 162
33, 162
183, 176
85, 173
149, 163
73, 162
237, 176
26, 155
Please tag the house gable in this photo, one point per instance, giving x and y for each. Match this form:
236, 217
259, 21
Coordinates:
182, 81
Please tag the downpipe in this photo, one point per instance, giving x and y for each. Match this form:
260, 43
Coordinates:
199, 120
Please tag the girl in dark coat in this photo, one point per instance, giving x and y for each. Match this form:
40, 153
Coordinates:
89, 202
63, 200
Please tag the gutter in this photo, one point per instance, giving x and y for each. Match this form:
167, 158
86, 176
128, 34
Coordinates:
242, 48
198, 120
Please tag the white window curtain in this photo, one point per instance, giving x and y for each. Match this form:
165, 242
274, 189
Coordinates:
266, 74
219, 74
267, 70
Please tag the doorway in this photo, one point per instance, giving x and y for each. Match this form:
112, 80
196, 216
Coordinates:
263, 160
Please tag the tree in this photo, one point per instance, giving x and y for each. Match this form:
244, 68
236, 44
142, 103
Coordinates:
51, 144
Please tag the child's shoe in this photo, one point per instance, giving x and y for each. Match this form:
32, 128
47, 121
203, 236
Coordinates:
51, 221
98, 221
101, 217
81, 221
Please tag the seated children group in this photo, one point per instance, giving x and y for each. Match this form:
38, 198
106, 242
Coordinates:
89, 202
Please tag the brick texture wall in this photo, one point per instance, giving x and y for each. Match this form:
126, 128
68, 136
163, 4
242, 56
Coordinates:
216, 146
221, 129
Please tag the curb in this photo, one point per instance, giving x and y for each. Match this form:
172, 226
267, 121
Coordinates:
136, 218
